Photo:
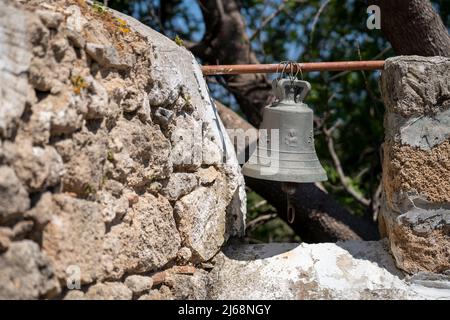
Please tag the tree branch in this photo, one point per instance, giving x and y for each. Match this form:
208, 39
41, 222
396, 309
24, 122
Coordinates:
337, 164
268, 19
263, 218
376, 201
413, 27
316, 19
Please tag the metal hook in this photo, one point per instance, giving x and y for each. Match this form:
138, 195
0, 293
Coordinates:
292, 75
300, 69
278, 74
283, 65
290, 211
291, 72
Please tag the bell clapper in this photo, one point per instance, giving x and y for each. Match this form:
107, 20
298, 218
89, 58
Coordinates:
289, 188
290, 211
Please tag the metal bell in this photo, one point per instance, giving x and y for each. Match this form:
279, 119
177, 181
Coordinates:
285, 151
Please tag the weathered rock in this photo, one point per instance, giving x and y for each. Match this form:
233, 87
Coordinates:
179, 184
74, 237
13, 196
76, 22
139, 284
207, 176
163, 293
130, 99
144, 112
146, 239
22, 229
6, 234
211, 151
74, 295
201, 220
41, 213
345, 270
38, 35
38, 168
184, 254
98, 105
186, 142
113, 208
84, 156
54, 116
138, 153
41, 76
191, 287
109, 291
189, 92
26, 273
76, 39
163, 116
108, 57
419, 172
414, 85
416, 172
15, 59
50, 19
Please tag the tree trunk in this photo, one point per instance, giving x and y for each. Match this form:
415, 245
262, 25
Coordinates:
318, 217
413, 27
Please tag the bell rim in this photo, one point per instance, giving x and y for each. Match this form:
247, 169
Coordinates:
285, 175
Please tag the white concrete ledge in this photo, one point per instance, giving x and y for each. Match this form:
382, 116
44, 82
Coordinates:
343, 270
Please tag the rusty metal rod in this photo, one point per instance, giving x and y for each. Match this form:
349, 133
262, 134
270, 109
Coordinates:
304, 67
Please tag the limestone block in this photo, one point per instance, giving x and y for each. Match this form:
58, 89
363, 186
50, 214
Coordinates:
74, 237
15, 59
138, 284
201, 219
36, 167
146, 239
13, 196
416, 170
179, 184
108, 291
26, 273
108, 57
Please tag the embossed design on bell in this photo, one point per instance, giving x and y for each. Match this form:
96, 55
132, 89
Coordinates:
291, 139
285, 151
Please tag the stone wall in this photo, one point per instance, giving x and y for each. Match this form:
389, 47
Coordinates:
416, 164
111, 158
